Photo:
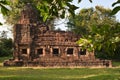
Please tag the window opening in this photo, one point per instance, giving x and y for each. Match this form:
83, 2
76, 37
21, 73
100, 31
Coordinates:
40, 51
24, 51
82, 51
55, 51
70, 51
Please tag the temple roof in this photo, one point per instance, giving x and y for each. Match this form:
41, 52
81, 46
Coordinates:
29, 14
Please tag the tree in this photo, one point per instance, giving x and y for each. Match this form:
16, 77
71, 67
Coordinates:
117, 8
4, 10
5, 47
99, 30
48, 9
5, 44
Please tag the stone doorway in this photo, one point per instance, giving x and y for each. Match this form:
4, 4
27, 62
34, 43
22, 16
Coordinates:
55, 52
70, 51
24, 51
40, 51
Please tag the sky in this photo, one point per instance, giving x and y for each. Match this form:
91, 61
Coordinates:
104, 3
82, 4
87, 4
5, 27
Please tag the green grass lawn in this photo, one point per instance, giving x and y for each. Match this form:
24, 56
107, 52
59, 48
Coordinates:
21, 73
17, 73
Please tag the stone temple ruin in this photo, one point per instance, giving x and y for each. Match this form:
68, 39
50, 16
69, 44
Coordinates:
36, 45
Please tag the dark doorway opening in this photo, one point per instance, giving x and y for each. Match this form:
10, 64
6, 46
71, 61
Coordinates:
55, 51
24, 51
82, 51
40, 51
70, 51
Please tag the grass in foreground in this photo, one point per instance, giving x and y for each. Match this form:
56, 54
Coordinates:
17, 73
21, 73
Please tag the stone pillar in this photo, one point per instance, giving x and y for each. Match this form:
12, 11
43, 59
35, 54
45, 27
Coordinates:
63, 52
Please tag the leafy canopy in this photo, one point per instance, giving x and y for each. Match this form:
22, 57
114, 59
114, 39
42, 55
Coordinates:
48, 9
117, 8
3, 7
99, 30
5, 44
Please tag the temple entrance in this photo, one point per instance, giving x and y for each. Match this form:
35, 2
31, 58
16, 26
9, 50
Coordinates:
40, 51
82, 52
70, 51
24, 51
55, 52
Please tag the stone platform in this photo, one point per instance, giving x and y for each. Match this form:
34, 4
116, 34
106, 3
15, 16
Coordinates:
56, 62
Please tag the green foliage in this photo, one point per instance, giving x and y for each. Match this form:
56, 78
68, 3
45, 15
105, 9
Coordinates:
81, 0
0, 23
3, 9
86, 43
117, 8
48, 9
116, 63
99, 30
5, 45
2, 59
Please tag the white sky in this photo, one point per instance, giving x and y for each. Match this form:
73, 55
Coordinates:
82, 4
5, 27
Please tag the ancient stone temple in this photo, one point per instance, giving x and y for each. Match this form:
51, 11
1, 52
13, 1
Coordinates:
36, 45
